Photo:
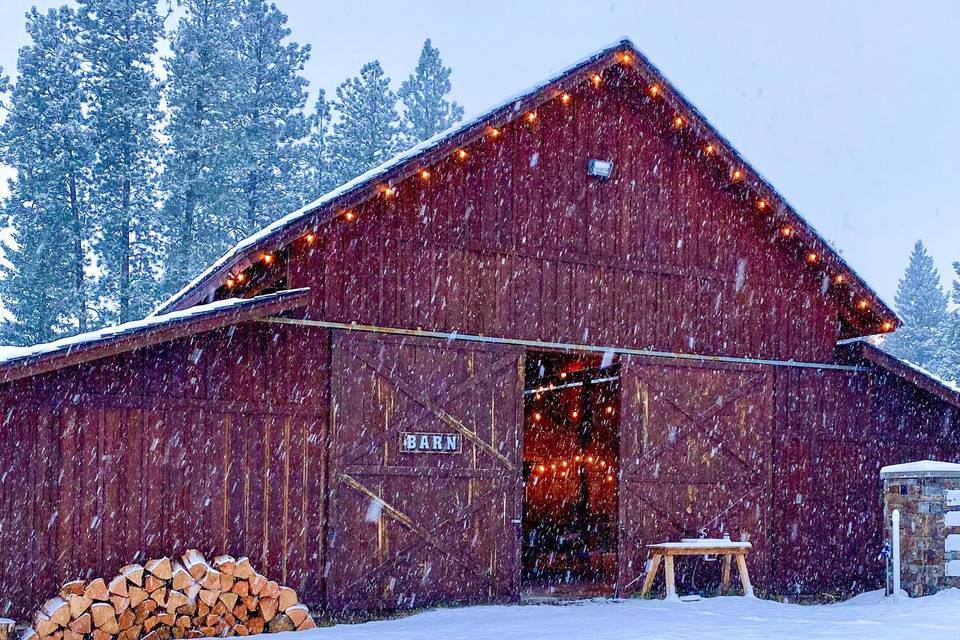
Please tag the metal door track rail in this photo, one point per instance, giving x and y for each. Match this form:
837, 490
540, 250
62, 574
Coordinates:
561, 346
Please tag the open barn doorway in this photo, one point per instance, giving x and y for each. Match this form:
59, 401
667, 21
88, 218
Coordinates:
570, 455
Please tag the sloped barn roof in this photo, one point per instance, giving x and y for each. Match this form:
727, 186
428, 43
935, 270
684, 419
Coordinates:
863, 310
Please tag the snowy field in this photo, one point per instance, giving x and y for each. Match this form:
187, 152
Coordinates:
866, 616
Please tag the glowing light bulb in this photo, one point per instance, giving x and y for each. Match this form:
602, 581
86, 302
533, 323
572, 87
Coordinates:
590, 459
565, 98
494, 132
425, 174
786, 231
812, 257
709, 149
537, 416
241, 277
267, 258
461, 154
862, 304
564, 464
596, 79
887, 326
678, 122
229, 283
541, 468
737, 175
389, 192
575, 414
653, 90
839, 279
532, 116
563, 375
609, 409
761, 204
626, 58
609, 478
310, 238
553, 467
350, 216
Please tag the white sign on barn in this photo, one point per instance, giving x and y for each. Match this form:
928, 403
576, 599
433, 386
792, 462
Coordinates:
429, 442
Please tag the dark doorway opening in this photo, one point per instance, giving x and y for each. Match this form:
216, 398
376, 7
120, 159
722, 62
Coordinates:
571, 460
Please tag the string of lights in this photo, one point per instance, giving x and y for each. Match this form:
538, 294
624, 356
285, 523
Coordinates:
679, 122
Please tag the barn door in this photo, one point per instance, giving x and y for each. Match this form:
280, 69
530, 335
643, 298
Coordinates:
694, 458
425, 472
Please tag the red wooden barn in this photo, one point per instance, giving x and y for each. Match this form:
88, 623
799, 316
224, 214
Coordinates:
503, 361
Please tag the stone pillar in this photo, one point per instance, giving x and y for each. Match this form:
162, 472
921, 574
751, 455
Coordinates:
927, 493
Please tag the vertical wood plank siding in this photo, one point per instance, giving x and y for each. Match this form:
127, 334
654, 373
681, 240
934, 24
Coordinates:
220, 441
214, 442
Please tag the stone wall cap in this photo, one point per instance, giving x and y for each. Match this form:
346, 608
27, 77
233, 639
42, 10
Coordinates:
922, 469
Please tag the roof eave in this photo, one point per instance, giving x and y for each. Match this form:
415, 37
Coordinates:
243, 311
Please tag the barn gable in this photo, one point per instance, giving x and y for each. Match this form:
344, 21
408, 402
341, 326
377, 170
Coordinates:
706, 171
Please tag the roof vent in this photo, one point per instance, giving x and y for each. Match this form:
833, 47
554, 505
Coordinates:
600, 168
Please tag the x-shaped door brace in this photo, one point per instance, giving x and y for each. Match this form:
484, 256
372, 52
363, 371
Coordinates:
442, 414
426, 535
694, 421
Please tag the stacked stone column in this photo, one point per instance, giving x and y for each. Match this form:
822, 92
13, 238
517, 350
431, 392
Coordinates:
927, 493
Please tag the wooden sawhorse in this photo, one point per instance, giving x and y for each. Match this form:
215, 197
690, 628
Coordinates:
712, 547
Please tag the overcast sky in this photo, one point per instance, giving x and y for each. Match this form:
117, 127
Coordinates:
850, 109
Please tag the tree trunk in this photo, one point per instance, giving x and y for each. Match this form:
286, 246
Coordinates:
77, 230
125, 253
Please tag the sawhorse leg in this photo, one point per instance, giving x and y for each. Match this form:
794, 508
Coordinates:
744, 576
648, 581
671, 582
725, 576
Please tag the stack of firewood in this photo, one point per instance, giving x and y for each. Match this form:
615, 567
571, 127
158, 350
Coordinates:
164, 598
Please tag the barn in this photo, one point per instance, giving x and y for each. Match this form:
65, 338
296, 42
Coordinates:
498, 364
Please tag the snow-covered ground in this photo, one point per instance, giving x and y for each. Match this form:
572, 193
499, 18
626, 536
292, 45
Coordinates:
866, 616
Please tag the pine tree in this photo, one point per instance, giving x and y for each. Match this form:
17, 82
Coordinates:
320, 176
119, 39
921, 302
201, 90
267, 147
44, 139
427, 111
366, 133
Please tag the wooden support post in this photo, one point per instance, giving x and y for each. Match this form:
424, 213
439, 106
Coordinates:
744, 575
671, 582
725, 576
6, 629
651, 575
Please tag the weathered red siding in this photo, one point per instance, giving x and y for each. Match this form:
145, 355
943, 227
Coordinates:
214, 441
253, 440
518, 241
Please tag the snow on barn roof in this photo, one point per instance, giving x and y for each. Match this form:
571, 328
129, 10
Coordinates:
947, 390
20, 362
871, 313
921, 469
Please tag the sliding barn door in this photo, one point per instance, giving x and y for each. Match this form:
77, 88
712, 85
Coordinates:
694, 456
425, 464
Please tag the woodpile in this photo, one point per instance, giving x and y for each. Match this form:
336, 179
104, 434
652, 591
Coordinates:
166, 598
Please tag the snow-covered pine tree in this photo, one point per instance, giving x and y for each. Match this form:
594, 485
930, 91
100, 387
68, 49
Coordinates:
427, 110
366, 132
922, 303
119, 39
320, 177
268, 150
44, 140
201, 89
